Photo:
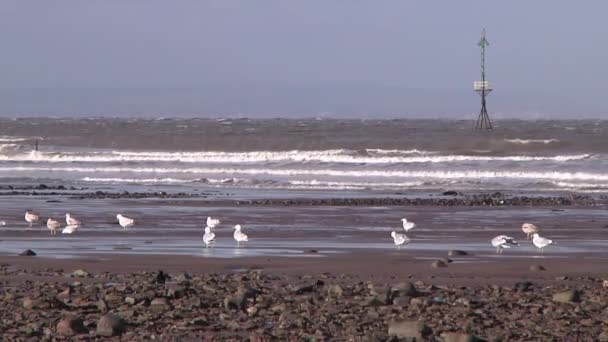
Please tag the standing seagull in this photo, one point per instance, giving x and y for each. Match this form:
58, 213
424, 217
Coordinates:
31, 217
408, 225
53, 225
124, 221
72, 221
503, 241
529, 229
209, 237
239, 236
540, 242
399, 239
212, 223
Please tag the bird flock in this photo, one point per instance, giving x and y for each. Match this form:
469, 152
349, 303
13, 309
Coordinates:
72, 223
209, 235
500, 242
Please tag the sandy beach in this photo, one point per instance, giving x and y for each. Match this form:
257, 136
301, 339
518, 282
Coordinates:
338, 256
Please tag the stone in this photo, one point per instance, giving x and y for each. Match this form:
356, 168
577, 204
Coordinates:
458, 337
408, 329
335, 291
603, 337
130, 300
80, 273
537, 268
439, 264
110, 325
28, 252
456, 252
160, 304
522, 286
101, 305
70, 325
568, 296
402, 301
405, 289
28, 303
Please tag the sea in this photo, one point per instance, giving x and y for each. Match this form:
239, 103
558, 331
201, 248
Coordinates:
305, 154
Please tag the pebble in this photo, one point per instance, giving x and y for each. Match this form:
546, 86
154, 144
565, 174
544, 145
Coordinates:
110, 325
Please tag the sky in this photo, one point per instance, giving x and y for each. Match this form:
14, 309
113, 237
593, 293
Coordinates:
302, 58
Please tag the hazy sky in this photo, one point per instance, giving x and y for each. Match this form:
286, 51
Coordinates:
346, 58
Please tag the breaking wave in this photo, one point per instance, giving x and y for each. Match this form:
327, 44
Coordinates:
549, 175
532, 141
328, 156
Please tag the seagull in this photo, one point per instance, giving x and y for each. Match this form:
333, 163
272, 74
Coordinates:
540, 242
31, 217
400, 239
209, 237
69, 229
212, 223
408, 225
503, 241
529, 228
124, 221
71, 220
239, 236
53, 225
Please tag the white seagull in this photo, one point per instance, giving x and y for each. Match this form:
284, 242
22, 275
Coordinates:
31, 217
69, 229
239, 236
399, 239
209, 237
529, 229
53, 225
72, 221
408, 225
503, 241
124, 221
212, 223
540, 242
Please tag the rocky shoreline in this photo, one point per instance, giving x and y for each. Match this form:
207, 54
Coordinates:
256, 305
444, 199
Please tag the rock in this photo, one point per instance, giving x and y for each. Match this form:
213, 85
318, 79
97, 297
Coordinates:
28, 252
402, 301
522, 286
603, 337
408, 329
80, 273
110, 325
161, 277
458, 337
405, 289
130, 300
28, 303
335, 291
70, 325
308, 288
183, 278
537, 268
568, 296
373, 301
160, 304
439, 264
101, 305
456, 252
450, 193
